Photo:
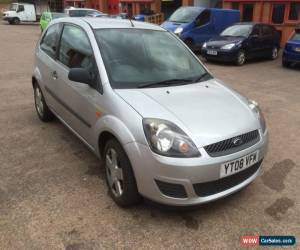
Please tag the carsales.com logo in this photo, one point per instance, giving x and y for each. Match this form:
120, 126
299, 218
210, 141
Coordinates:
254, 240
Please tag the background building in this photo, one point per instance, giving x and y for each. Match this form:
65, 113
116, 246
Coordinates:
284, 14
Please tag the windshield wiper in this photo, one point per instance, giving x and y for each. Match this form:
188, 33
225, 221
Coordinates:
168, 82
201, 77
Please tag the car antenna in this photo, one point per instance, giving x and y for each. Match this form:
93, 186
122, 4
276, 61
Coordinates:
130, 20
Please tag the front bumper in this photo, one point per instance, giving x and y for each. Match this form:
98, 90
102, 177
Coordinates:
291, 56
151, 169
222, 55
7, 18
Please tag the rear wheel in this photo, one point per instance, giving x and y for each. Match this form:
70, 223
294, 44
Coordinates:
119, 175
274, 54
241, 58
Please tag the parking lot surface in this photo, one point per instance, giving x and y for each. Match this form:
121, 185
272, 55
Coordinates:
53, 193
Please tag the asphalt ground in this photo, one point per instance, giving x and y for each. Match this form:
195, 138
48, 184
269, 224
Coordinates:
53, 193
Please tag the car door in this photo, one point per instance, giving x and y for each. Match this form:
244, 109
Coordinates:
267, 39
45, 60
21, 12
203, 29
77, 100
255, 42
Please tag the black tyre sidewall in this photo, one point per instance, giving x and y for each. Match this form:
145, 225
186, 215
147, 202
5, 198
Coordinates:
237, 59
130, 194
47, 114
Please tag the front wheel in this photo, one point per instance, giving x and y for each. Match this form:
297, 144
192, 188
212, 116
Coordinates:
190, 44
286, 64
119, 175
41, 107
241, 58
16, 21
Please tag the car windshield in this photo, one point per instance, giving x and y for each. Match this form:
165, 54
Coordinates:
136, 57
238, 30
13, 7
184, 15
296, 37
58, 15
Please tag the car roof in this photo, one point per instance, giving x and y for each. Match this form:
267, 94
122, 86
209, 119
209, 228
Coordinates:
107, 23
81, 9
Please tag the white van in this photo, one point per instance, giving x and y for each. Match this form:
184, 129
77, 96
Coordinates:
24, 12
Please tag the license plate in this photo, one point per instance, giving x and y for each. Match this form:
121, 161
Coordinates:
237, 165
212, 52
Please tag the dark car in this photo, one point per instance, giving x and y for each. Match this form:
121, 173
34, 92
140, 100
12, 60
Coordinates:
291, 53
243, 41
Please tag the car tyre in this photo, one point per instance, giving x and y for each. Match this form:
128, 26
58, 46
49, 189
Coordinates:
44, 113
190, 44
274, 54
16, 21
286, 64
119, 175
241, 58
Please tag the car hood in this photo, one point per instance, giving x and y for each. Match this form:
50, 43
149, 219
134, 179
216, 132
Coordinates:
208, 111
172, 26
220, 41
9, 12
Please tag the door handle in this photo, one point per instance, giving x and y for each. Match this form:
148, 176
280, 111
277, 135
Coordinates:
54, 75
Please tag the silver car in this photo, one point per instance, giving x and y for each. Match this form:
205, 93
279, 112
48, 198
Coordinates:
166, 129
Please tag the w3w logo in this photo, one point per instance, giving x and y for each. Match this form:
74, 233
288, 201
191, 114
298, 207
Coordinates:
249, 240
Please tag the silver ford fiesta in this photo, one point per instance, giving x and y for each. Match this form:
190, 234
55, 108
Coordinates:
166, 129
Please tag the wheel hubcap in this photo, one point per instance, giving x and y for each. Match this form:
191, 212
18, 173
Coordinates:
274, 53
241, 58
39, 101
114, 172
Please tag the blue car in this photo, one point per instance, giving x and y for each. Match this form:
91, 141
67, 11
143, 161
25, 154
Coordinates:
291, 53
196, 25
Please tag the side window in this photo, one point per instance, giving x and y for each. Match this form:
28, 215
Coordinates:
267, 30
20, 8
256, 30
203, 18
49, 41
75, 50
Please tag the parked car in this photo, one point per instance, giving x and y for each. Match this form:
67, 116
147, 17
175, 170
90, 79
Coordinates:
81, 12
195, 25
291, 52
47, 17
96, 14
140, 100
121, 16
24, 12
243, 41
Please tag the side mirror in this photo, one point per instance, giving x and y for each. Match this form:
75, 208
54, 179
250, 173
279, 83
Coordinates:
80, 75
254, 36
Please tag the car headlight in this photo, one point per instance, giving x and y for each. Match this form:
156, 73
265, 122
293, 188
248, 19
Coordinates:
228, 46
255, 107
204, 45
165, 138
178, 30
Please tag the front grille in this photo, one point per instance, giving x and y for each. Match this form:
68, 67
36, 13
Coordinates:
228, 146
214, 187
172, 190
